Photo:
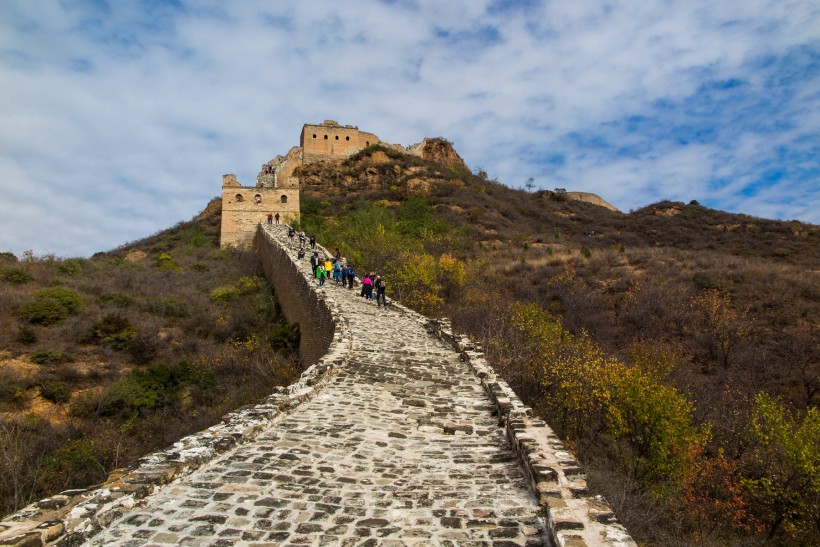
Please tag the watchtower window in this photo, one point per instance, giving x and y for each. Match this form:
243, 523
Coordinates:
347, 138
257, 198
367, 143
239, 198
314, 135
325, 137
284, 199
337, 137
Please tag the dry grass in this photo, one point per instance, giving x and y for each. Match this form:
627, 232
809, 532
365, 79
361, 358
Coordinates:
163, 316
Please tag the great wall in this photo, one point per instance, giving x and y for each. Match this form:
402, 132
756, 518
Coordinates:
398, 433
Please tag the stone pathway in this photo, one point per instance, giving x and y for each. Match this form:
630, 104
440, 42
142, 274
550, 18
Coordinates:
400, 448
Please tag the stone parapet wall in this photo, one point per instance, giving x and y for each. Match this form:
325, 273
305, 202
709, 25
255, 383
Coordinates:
299, 302
574, 517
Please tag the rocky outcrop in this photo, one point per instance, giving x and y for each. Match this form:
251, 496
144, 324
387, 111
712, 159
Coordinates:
440, 151
594, 199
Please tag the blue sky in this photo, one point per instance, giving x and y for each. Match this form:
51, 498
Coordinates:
118, 119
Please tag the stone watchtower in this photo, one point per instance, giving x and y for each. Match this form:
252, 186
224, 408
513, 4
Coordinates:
243, 207
277, 189
329, 141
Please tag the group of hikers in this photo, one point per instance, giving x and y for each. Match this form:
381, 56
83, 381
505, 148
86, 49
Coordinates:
302, 239
373, 286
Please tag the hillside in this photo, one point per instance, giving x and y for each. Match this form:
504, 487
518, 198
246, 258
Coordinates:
668, 345
108, 358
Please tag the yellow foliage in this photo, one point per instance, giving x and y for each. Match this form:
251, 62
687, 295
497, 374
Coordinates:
582, 386
656, 357
413, 281
786, 458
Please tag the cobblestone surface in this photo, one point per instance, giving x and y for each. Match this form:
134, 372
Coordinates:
400, 448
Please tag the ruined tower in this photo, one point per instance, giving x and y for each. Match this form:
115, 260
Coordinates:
276, 190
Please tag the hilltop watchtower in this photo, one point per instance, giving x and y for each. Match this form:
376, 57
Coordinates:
329, 141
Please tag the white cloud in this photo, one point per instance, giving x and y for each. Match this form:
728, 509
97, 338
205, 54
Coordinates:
119, 121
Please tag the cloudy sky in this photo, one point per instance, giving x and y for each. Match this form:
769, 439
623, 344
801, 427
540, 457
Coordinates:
119, 118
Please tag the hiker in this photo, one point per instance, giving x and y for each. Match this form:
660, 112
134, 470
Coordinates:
270, 218
277, 218
312, 241
337, 273
301, 254
314, 263
302, 239
367, 287
320, 274
380, 287
291, 233
351, 276
344, 276
328, 266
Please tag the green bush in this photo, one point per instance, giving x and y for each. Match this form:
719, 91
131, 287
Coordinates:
224, 294
42, 312
144, 391
76, 464
17, 276
46, 356
71, 266
67, 298
249, 285
56, 392
585, 251
167, 264
6, 256
285, 336
113, 330
198, 239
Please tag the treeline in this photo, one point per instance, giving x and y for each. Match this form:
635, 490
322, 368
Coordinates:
693, 413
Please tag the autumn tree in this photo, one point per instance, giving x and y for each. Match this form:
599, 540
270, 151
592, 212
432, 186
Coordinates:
724, 326
783, 473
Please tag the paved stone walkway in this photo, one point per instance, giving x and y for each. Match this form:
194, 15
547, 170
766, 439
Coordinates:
400, 448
